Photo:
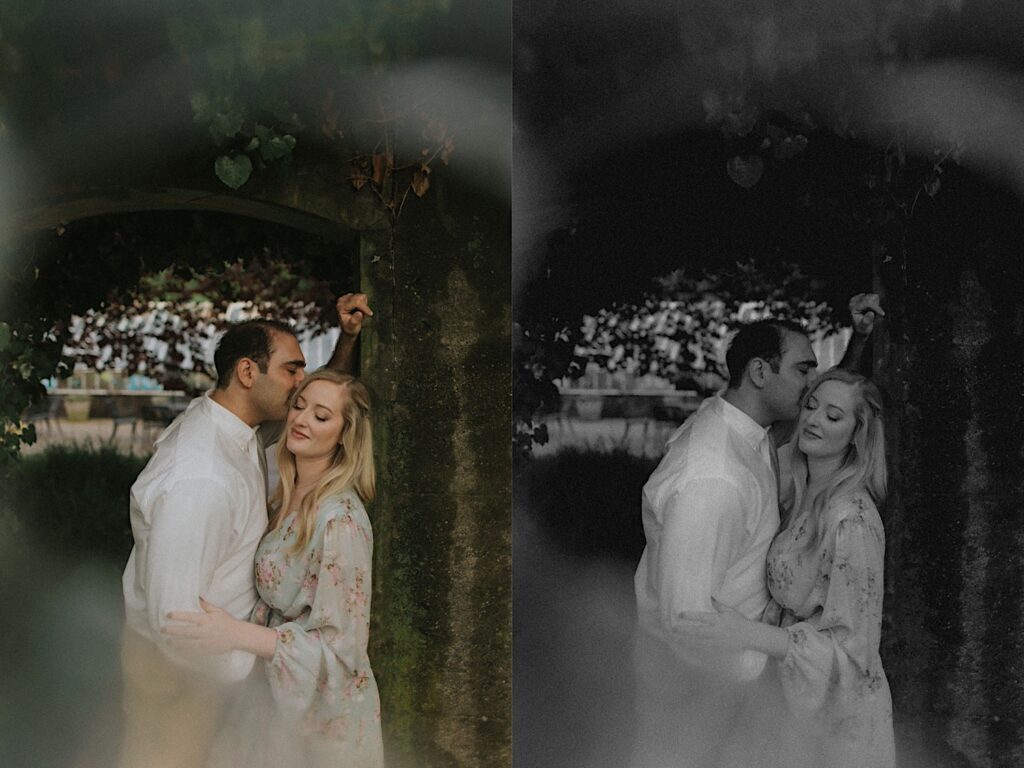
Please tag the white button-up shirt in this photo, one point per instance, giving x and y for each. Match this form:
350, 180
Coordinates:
198, 510
710, 511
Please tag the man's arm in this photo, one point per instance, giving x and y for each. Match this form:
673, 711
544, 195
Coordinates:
703, 532
191, 530
701, 536
352, 310
865, 309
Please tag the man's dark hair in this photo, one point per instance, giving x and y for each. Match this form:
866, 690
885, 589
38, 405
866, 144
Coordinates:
762, 339
252, 339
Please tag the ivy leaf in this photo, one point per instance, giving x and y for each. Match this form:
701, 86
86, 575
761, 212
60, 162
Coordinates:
789, 147
233, 171
745, 171
263, 133
226, 124
277, 147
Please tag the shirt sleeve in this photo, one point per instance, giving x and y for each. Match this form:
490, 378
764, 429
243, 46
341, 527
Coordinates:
832, 659
191, 528
703, 531
320, 660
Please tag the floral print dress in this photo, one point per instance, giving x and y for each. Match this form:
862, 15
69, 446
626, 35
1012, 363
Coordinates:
829, 598
317, 703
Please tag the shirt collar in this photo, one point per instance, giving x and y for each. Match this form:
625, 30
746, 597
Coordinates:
227, 422
740, 422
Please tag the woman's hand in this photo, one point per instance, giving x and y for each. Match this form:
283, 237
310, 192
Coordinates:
212, 631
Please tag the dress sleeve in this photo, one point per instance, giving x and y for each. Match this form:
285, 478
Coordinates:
323, 653
191, 529
833, 656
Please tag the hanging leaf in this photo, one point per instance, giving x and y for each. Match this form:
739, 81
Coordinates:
233, 171
421, 181
329, 127
379, 165
358, 177
745, 171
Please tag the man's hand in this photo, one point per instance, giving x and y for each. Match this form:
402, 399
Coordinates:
212, 631
864, 309
352, 309
724, 628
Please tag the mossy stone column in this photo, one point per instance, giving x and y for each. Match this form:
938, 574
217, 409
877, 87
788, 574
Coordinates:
437, 359
951, 359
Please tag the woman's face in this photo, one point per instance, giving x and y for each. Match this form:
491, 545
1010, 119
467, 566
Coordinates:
315, 420
826, 423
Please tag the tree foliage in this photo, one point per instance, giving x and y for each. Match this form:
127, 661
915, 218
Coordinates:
258, 82
266, 79
678, 332
26, 350
681, 331
165, 326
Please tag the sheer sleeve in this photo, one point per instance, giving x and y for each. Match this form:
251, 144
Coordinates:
320, 660
832, 659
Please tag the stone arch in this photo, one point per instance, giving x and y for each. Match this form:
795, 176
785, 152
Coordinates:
65, 208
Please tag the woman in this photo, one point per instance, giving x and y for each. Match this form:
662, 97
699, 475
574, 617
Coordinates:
825, 575
317, 703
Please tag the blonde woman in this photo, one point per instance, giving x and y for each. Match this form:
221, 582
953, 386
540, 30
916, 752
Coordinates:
824, 623
314, 702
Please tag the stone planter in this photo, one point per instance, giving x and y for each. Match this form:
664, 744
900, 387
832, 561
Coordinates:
588, 407
76, 408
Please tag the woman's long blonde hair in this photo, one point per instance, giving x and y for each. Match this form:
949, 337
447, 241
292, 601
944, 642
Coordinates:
352, 466
863, 466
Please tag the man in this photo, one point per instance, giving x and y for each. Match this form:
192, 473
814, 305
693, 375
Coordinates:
198, 511
710, 511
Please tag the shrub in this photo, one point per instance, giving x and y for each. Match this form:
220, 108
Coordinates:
588, 503
73, 501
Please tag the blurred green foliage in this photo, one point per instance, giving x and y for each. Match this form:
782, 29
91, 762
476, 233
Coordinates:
587, 502
72, 501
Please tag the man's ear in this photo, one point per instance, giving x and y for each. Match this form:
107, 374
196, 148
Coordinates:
757, 371
245, 371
